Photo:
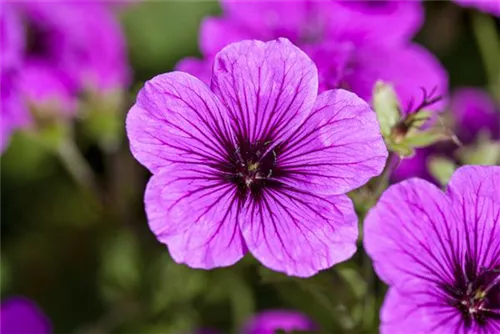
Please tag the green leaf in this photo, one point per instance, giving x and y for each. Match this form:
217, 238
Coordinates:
426, 138
386, 107
441, 169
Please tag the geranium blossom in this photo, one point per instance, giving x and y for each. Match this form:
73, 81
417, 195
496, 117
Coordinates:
13, 112
272, 321
259, 162
440, 253
353, 43
20, 315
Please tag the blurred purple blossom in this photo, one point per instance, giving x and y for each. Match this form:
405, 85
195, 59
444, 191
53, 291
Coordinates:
439, 252
259, 162
487, 6
20, 315
269, 322
475, 112
353, 43
53, 51
13, 112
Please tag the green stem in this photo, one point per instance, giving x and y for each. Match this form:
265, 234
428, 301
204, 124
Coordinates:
77, 166
488, 42
383, 179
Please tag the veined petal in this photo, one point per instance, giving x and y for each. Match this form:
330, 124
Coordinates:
475, 193
195, 213
177, 119
412, 233
421, 308
337, 149
299, 233
269, 88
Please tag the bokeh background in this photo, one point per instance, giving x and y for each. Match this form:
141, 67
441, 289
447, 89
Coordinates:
92, 264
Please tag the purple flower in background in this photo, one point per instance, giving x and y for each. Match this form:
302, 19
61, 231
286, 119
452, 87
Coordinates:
81, 41
415, 166
474, 112
487, 6
20, 315
13, 112
439, 253
353, 43
269, 322
258, 162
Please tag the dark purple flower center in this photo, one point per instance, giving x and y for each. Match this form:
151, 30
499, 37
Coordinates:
37, 42
252, 167
476, 295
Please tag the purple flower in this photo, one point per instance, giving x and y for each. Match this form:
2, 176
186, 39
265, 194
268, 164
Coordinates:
20, 315
81, 41
415, 166
258, 162
13, 112
474, 112
487, 6
269, 322
11, 37
440, 253
353, 43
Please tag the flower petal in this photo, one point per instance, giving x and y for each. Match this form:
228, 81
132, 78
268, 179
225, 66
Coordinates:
475, 112
200, 68
47, 87
411, 233
410, 68
337, 149
419, 308
195, 213
298, 233
216, 33
177, 119
475, 192
22, 315
374, 21
270, 322
269, 88
268, 20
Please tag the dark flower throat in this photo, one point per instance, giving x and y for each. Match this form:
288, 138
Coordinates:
476, 295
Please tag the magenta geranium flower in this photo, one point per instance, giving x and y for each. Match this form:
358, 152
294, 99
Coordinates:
81, 41
475, 112
256, 163
13, 112
272, 321
20, 315
487, 6
353, 43
440, 253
